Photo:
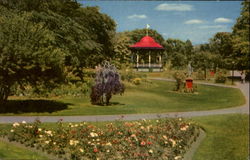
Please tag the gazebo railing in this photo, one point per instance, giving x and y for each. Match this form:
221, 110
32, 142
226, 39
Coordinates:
147, 65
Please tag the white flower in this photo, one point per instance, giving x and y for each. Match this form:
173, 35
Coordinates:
40, 136
76, 125
93, 134
177, 157
108, 144
108, 151
157, 121
16, 124
81, 150
71, 142
173, 142
144, 120
180, 119
23, 122
151, 151
12, 130
142, 127
39, 129
165, 137
184, 128
47, 142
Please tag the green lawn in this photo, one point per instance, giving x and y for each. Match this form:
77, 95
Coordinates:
227, 138
10, 151
150, 98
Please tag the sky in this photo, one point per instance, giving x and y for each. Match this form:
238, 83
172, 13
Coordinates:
197, 21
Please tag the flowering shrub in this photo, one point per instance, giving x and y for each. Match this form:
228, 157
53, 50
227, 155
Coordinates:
137, 81
145, 139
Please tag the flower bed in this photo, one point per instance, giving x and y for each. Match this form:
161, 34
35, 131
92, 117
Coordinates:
161, 139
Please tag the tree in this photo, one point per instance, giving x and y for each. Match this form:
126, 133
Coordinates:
178, 52
241, 38
203, 60
27, 53
121, 48
221, 45
107, 83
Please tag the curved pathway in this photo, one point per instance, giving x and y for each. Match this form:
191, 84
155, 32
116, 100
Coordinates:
244, 109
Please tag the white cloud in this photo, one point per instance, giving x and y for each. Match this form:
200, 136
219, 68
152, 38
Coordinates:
212, 26
193, 21
174, 7
223, 20
137, 16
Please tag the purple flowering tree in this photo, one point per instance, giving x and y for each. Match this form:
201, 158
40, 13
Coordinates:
107, 83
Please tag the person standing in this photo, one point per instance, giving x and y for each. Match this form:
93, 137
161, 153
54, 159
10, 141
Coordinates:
243, 77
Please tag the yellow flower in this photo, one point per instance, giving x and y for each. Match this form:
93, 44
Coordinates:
150, 151
108, 144
12, 130
81, 150
173, 142
47, 142
177, 157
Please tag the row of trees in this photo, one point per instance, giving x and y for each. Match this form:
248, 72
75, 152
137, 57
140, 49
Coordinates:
39, 38
225, 49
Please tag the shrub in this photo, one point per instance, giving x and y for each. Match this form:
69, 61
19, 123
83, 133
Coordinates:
137, 81
107, 83
180, 78
220, 78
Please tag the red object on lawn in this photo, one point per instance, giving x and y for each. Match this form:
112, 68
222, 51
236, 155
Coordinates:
189, 83
146, 42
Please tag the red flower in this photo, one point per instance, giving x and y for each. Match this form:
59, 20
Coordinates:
95, 150
149, 143
143, 143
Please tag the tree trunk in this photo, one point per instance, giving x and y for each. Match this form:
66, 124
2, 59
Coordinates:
205, 73
4, 94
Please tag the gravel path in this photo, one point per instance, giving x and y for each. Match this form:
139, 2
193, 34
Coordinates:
244, 109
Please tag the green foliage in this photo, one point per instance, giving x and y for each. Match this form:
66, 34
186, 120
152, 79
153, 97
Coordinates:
121, 48
27, 53
179, 52
180, 80
222, 47
221, 76
241, 38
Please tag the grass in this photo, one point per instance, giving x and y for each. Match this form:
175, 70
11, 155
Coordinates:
10, 151
150, 98
227, 138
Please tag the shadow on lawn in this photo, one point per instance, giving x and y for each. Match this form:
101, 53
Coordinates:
27, 106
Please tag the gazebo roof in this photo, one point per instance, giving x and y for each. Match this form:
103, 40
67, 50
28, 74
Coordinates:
146, 42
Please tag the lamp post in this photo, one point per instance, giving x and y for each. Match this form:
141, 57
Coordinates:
232, 72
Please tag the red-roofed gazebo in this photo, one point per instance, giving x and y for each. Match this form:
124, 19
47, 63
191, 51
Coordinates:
147, 47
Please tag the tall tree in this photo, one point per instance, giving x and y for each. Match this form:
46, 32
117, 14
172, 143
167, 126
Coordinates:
241, 40
221, 45
27, 53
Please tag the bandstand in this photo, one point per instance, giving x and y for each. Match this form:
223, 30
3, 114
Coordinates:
147, 55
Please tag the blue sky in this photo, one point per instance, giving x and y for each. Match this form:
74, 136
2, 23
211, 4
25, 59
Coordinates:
194, 20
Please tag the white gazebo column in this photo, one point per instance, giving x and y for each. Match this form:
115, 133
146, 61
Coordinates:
160, 60
149, 60
137, 61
